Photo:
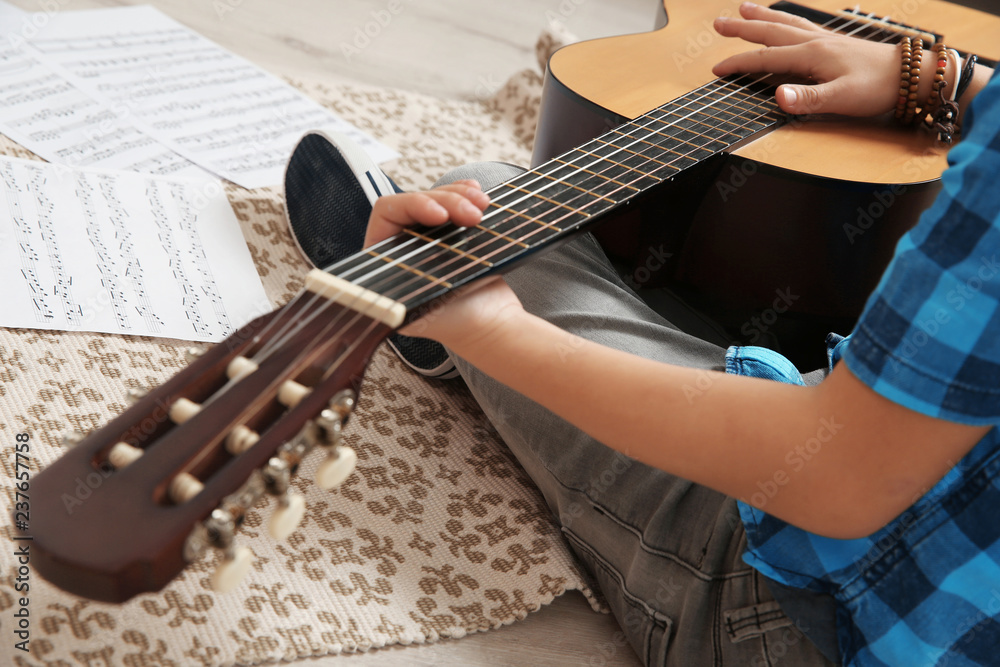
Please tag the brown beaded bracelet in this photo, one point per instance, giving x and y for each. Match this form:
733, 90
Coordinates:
935, 98
916, 61
904, 83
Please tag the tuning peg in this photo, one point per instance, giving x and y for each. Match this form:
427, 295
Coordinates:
232, 570
287, 516
192, 353
136, 394
343, 403
291, 508
330, 425
336, 467
220, 531
71, 439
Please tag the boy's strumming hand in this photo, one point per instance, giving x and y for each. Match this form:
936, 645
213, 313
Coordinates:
854, 77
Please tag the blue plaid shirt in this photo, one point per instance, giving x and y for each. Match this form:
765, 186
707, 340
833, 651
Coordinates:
924, 590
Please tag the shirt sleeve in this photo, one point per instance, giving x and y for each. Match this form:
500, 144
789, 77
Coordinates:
929, 337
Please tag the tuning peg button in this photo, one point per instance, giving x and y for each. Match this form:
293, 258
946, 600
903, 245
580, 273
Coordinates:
336, 467
71, 439
136, 394
287, 516
232, 570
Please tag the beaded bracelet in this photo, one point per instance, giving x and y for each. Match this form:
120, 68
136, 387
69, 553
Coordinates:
936, 97
916, 60
904, 83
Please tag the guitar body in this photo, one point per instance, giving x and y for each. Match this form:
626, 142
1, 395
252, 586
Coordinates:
805, 217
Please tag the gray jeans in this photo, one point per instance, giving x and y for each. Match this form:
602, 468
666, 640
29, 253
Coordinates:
665, 552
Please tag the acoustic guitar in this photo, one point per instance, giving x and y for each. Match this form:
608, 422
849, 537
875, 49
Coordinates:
807, 215
187, 460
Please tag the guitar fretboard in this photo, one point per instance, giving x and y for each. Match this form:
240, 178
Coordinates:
568, 193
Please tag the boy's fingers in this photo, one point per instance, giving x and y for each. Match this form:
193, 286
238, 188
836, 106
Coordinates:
468, 189
755, 12
767, 33
777, 60
392, 213
459, 207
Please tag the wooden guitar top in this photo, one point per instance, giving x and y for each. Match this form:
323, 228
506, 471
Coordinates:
632, 74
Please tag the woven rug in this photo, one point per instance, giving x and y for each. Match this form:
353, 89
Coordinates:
438, 533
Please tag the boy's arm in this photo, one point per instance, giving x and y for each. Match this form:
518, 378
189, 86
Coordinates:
837, 459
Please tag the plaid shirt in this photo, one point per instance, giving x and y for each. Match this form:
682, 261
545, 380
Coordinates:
924, 590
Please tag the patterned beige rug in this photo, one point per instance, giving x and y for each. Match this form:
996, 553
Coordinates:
438, 533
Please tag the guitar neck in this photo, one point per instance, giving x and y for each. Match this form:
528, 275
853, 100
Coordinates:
569, 193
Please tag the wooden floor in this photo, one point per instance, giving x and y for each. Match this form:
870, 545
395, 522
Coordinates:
459, 49
446, 48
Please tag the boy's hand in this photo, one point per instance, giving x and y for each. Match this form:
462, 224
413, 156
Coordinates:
469, 315
461, 202
853, 76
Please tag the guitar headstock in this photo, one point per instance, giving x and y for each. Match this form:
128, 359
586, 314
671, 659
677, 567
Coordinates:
174, 474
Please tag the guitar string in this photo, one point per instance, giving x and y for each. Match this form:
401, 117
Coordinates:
276, 342
490, 214
522, 238
847, 22
282, 337
333, 323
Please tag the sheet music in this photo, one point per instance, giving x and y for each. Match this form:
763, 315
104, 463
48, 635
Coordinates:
90, 250
209, 105
46, 112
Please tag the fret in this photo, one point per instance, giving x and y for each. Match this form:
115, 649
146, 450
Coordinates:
683, 143
475, 241
521, 226
567, 179
447, 246
438, 262
653, 163
543, 188
603, 173
399, 264
678, 133
640, 165
503, 236
724, 95
667, 156
709, 127
714, 112
632, 175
